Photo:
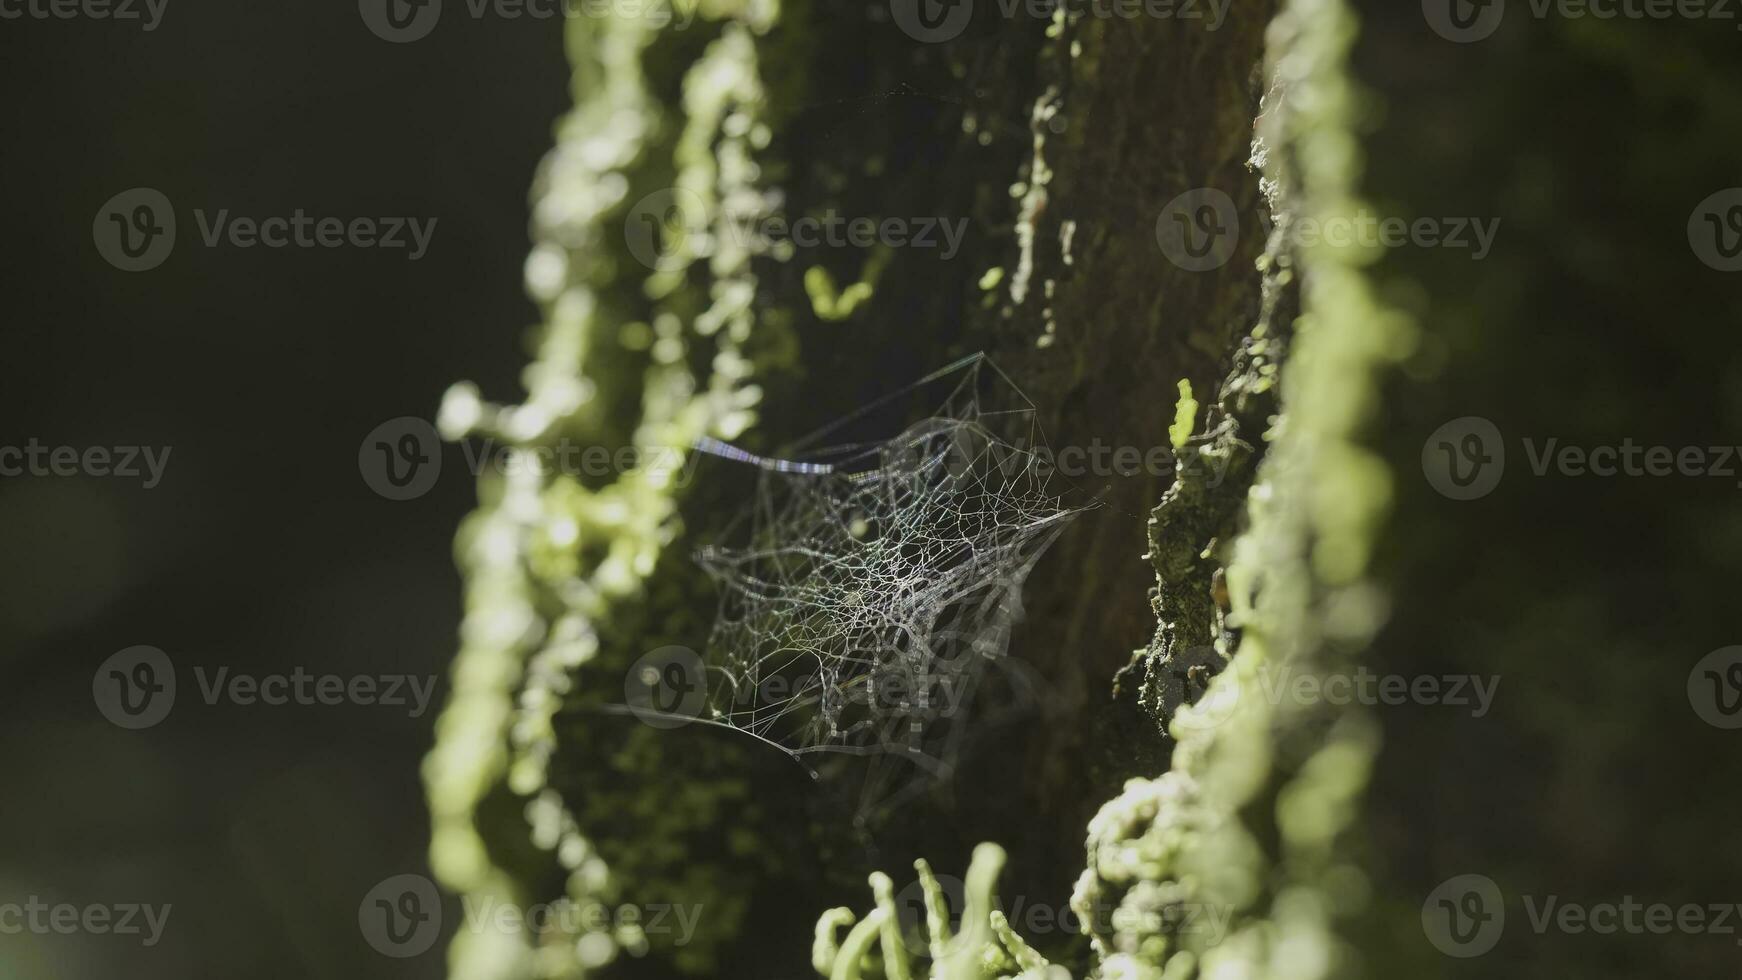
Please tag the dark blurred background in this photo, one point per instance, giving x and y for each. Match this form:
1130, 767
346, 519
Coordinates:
262, 549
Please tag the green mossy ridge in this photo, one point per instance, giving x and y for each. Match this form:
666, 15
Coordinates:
1253, 820
638, 342
1102, 314
1192, 529
982, 947
554, 566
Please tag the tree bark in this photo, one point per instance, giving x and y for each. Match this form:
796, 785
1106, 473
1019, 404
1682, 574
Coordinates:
1063, 141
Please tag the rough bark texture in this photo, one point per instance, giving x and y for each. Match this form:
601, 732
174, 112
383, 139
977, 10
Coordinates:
1152, 621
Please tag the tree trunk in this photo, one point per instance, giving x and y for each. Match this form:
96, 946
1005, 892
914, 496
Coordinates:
1296, 536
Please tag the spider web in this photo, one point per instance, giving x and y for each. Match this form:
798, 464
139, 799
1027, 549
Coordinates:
870, 591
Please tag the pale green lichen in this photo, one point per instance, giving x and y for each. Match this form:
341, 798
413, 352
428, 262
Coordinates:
1201, 835
549, 559
984, 948
1185, 415
547, 556
1033, 195
832, 303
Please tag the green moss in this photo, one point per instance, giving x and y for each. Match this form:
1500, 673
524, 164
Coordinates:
567, 580
1185, 415
1253, 822
985, 947
555, 566
831, 303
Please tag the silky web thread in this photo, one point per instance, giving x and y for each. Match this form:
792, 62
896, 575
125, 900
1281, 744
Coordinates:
870, 588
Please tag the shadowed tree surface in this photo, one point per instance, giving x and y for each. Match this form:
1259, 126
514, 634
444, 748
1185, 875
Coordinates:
1297, 380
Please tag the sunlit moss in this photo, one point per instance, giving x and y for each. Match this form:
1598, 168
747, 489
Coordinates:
985, 947
551, 559
1200, 836
546, 557
1185, 415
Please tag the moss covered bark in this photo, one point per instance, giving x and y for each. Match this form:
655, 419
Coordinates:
1155, 621
1040, 132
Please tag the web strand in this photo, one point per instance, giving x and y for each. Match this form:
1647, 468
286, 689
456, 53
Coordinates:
863, 600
